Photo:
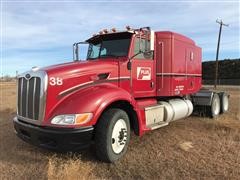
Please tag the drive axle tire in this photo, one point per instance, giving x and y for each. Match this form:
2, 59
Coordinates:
215, 107
112, 135
224, 102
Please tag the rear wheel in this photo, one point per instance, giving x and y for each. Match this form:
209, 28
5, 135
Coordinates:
214, 109
112, 135
224, 103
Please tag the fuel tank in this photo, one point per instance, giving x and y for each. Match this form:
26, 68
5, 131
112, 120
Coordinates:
175, 109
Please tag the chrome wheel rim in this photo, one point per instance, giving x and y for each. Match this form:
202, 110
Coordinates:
119, 136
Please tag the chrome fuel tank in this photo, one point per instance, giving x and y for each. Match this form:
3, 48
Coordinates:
175, 109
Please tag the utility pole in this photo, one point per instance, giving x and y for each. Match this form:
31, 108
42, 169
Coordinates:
219, 38
16, 74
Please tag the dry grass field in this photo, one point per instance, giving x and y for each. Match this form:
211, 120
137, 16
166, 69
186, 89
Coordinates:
192, 148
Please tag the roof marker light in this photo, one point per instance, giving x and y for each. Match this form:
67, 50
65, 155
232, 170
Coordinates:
105, 31
113, 30
128, 28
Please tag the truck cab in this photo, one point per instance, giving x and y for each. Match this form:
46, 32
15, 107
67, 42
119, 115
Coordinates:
136, 79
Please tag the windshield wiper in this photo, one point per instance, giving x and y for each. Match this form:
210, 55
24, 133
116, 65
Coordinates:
105, 55
108, 55
92, 58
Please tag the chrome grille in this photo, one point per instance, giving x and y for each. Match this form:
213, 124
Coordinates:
31, 96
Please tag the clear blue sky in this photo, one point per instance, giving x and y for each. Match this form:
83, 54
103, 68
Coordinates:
42, 33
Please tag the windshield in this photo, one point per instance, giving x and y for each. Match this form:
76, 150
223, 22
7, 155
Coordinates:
109, 46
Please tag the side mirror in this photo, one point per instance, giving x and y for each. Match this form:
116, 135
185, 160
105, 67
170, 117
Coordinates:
152, 39
149, 45
76, 50
129, 65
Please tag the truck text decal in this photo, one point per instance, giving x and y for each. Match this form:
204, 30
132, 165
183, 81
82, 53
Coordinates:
143, 73
55, 81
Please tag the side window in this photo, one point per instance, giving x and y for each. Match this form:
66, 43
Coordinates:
103, 51
143, 44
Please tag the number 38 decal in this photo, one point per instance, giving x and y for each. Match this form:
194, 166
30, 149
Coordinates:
55, 81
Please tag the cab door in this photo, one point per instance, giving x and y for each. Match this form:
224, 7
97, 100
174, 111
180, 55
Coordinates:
143, 71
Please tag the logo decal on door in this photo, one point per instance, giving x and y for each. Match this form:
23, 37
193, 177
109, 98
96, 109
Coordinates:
143, 73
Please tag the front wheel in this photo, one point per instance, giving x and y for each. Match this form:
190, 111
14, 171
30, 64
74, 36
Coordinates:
112, 135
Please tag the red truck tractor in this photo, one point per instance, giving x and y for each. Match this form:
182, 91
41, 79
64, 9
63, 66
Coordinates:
135, 79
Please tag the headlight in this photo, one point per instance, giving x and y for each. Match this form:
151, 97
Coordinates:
72, 119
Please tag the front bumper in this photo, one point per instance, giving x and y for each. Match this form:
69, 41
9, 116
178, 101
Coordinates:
60, 139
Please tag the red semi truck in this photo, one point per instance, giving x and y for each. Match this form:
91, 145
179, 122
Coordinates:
135, 79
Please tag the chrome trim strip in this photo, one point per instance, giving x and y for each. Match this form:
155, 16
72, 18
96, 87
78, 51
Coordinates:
27, 98
34, 95
43, 96
119, 78
21, 96
92, 82
74, 87
177, 74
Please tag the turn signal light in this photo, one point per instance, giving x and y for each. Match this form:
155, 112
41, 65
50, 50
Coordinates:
83, 118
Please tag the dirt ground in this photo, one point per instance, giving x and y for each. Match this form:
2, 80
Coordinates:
192, 148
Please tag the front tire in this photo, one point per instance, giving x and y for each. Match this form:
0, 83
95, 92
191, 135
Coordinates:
112, 135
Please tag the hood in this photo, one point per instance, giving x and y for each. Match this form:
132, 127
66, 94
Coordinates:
66, 76
81, 68
65, 79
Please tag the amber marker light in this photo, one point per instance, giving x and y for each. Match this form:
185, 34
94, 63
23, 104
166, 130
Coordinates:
128, 28
105, 31
113, 30
83, 118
